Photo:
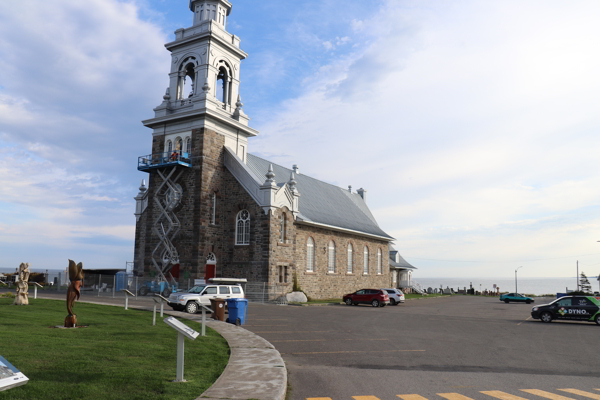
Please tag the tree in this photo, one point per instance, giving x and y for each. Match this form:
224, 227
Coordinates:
584, 283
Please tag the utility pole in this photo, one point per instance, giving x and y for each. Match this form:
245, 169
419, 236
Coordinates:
516, 291
578, 275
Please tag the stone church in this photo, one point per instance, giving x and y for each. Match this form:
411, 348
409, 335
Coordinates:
212, 209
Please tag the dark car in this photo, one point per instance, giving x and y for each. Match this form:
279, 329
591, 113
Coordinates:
515, 297
375, 297
578, 308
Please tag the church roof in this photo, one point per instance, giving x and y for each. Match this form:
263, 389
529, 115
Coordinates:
323, 203
402, 263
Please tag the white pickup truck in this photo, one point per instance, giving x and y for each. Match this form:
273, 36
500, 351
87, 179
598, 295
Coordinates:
191, 300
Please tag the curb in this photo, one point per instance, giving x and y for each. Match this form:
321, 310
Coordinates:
255, 369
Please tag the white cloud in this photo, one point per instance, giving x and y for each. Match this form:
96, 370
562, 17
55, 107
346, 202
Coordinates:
340, 41
473, 128
75, 80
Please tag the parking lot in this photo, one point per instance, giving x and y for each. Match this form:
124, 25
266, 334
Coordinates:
427, 347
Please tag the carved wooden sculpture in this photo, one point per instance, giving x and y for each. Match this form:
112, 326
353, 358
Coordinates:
76, 278
23, 286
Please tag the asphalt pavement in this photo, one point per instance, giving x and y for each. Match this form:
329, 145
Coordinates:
430, 347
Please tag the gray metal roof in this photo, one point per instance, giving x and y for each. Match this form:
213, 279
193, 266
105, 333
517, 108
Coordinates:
321, 202
402, 264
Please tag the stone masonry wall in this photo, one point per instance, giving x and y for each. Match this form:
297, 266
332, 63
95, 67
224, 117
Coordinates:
233, 261
266, 258
321, 284
198, 235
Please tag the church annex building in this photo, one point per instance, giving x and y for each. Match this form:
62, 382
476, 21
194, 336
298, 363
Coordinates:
212, 209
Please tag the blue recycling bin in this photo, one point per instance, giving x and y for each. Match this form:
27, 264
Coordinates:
237, 311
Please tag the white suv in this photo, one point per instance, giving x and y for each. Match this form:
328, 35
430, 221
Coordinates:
191, 300
396, 296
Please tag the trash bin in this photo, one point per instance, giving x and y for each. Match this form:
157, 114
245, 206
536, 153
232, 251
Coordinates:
237, 311
218, 308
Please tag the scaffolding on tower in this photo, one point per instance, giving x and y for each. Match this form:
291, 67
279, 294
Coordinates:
169, 167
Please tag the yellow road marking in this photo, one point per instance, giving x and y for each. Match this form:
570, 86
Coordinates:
454, 396
318, 398
411, 397
365, 398
582, 393
503, 396
545, 394
528, 318
353, 351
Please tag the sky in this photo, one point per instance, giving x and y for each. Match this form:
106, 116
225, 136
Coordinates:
473, 125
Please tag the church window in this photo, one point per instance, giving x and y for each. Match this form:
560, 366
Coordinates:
366, 261
331, 257
310, 255
178, 144
350, 251
379, 266
282, 228
169, 147
242, 228
213, 213
188, 145
282, 272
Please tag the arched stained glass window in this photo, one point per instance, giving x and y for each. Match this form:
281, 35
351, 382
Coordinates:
242, 228
350, 261
331, 257
310, 255
282, 228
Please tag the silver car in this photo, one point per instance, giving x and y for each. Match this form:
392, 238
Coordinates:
396, 296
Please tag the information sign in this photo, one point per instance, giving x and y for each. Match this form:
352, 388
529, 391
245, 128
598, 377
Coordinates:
181, 328
10, 377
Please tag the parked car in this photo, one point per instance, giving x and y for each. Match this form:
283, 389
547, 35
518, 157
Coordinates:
516, 297
191, 300
579, 308
375, 297
396, 296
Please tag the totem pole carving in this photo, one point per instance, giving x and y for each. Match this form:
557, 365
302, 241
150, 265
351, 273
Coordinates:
76, 278
22, 298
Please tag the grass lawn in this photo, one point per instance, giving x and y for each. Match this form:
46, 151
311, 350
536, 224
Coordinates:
119, 356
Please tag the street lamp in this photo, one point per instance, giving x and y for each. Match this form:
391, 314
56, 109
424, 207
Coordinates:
516, 291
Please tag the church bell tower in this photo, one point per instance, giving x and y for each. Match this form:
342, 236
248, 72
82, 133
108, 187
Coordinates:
204, 82
201, 114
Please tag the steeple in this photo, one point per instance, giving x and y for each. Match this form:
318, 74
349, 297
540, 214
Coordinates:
204, 81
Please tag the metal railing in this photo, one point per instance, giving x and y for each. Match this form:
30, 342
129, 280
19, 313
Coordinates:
166, 159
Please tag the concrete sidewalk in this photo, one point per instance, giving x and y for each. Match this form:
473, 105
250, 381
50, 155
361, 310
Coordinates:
255, 369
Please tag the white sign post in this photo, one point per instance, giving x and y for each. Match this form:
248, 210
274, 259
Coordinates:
127, 294
154, 313
204, 308
162, 303
35, 289
182, 332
